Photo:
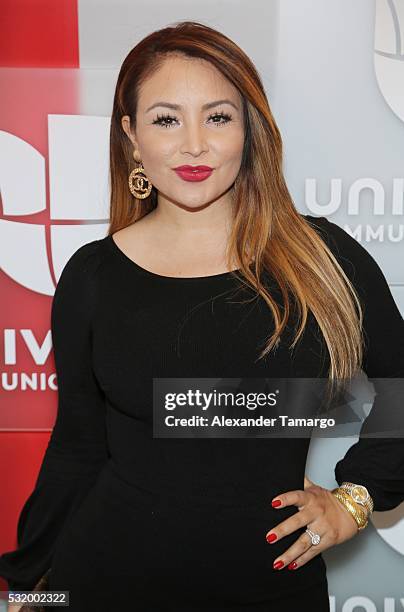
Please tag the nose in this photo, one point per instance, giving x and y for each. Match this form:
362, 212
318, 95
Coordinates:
194, 139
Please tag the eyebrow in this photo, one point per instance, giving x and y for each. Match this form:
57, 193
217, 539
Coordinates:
206, 106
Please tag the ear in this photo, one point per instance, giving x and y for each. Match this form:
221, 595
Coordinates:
125, 122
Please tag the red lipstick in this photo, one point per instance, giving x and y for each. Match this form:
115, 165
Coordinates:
193, 173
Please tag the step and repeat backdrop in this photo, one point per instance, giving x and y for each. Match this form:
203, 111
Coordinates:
334, 76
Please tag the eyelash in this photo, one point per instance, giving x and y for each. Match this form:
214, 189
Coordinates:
160, 118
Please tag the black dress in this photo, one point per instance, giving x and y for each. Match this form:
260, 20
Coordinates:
123, 517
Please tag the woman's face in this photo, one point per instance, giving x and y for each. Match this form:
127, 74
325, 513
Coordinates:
189, 134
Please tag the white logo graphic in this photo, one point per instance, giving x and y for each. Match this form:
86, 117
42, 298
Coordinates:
78, 198
389, 53
390, 526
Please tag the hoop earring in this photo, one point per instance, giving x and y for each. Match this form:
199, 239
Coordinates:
136, 183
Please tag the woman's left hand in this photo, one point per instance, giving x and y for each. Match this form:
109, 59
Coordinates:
323, 513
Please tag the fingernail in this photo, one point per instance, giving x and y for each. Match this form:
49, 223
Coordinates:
271, 537
276, 503
292, 565
278, 564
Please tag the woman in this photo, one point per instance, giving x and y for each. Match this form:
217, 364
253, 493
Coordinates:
184, 523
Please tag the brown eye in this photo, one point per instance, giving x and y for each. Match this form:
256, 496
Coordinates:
162, 119
221, 115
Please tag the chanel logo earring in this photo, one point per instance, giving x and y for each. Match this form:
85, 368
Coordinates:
139, 185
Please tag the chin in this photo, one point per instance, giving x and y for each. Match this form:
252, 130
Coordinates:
190, 202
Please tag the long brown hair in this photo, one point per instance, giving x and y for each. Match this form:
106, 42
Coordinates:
265, 221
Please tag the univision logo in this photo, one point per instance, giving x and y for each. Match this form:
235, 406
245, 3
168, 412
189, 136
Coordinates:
78, 198
389, 53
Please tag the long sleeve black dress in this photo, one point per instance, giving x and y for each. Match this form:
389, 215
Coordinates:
180, 523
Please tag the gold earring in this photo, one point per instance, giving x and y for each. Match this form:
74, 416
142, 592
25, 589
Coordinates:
136, 183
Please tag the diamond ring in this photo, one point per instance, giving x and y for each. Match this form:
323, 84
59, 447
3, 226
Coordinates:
315, 538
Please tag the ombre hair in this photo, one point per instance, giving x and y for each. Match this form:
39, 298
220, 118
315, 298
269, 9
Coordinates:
265, 220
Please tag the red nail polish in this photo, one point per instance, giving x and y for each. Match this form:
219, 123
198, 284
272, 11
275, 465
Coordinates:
278, 565
276, 503
271, 537
292, 565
